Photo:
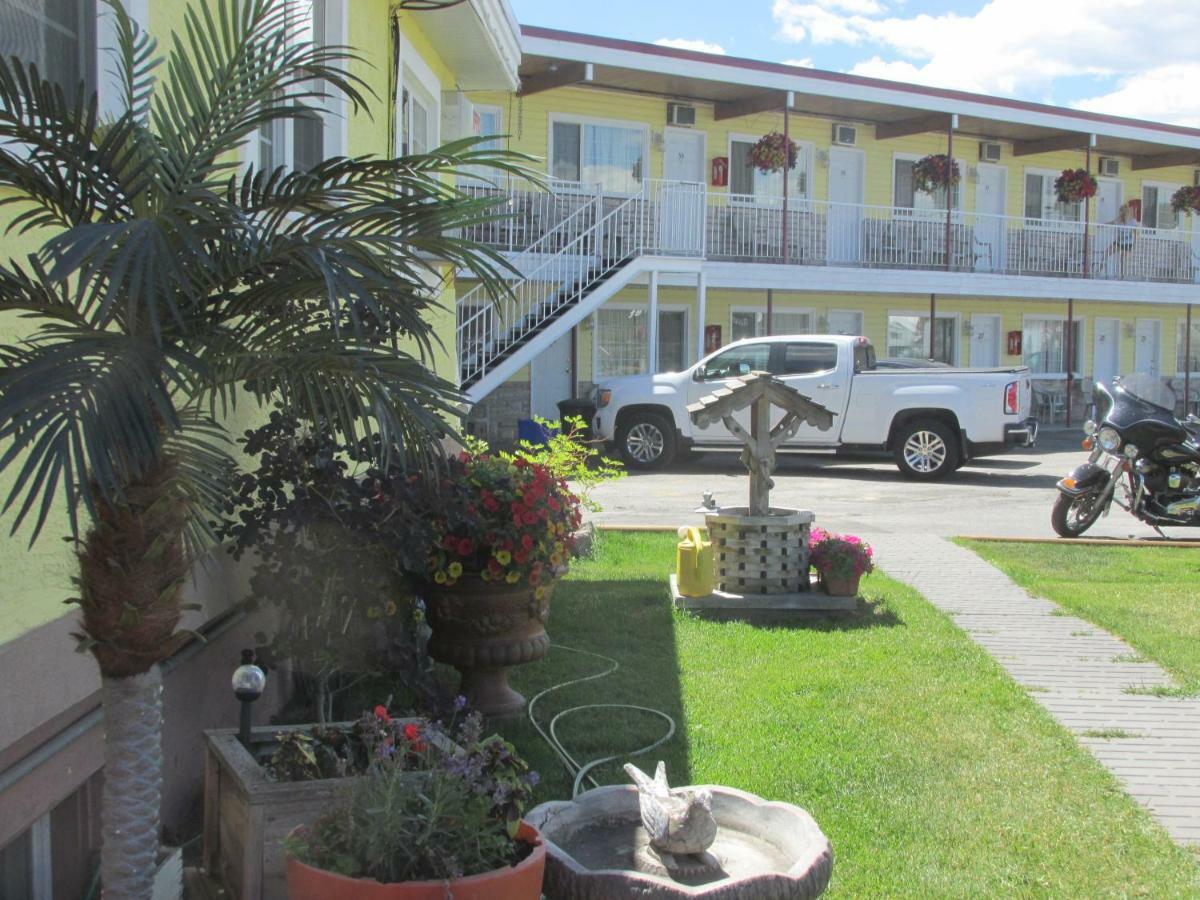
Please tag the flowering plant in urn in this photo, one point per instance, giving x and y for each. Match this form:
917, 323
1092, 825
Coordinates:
933, 172
1074, 185
772, 151
509, 521
842, 559
1186, 200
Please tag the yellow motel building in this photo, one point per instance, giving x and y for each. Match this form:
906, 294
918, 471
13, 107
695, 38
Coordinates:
646, 241
660, 241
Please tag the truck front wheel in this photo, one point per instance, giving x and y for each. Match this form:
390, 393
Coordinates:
646, 441
926, 450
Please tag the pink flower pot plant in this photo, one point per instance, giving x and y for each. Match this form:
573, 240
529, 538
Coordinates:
840, 559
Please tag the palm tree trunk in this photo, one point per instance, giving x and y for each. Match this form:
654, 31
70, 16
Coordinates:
132, 784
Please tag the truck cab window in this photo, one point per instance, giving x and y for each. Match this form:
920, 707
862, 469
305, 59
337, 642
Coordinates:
737, 361
809, 358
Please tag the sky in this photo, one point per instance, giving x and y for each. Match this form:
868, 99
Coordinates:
1124, 57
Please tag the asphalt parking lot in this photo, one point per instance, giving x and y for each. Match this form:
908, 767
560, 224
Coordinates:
1003, 496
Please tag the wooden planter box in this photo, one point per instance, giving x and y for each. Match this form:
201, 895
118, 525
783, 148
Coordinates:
247, 816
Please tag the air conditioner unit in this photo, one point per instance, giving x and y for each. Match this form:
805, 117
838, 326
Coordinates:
1109, 167
989, 152
459, 119
681, 114
845, 135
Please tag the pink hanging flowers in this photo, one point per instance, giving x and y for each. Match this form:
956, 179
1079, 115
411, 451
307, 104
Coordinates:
1074, 185
772, 151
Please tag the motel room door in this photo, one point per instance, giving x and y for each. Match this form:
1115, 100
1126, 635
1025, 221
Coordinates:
989, 226
1147, 357
1106, 350
550, 378
985, 341
681, 197
846, 171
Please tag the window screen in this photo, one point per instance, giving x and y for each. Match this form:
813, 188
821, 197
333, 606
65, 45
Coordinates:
565, 163
807, 358
58, 36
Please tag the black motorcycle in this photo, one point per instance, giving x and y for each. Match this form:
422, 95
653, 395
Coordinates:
1138, 445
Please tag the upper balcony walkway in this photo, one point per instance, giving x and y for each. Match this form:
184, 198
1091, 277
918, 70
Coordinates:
687, 220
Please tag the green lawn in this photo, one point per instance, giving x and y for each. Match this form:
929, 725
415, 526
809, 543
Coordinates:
933, 774
1150, 596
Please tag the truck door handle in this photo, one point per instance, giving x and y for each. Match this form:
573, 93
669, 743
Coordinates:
825, 387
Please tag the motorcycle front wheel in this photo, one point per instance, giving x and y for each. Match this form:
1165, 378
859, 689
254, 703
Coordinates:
1072, 516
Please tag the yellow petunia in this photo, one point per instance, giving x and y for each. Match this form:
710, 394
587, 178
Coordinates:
503, 557
439, 577
455, 569
512, 577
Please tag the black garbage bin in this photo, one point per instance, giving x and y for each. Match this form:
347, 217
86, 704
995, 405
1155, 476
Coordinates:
578, 406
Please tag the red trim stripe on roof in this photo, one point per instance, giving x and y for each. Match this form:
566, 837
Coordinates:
758, 65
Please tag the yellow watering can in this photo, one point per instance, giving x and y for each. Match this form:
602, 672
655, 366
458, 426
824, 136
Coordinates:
694, 563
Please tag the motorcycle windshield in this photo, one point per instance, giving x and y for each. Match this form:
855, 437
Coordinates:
1149, 389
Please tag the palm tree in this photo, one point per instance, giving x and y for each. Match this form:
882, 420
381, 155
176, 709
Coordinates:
178, 283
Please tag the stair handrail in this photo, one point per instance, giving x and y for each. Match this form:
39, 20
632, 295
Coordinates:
580, 252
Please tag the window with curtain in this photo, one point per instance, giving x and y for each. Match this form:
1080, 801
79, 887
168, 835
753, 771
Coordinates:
908, 337
1044, 346
58, 36
1156, 206
1041, 202
767, 187
611, 155
906, 196
620, 342
1182, 362
845, 321
746, 323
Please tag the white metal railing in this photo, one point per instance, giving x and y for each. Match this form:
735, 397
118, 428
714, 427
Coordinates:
534, 210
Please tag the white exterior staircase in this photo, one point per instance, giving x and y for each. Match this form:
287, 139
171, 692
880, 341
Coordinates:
569, 272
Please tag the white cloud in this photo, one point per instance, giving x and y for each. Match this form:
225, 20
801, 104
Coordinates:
689, 44
804, 63
1164, 94
1020, 47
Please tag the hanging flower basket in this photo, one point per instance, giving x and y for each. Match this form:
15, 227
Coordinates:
1074, 185
1186, 200
934, 171
768, 153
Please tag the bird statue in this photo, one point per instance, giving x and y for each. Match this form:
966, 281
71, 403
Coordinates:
680, 820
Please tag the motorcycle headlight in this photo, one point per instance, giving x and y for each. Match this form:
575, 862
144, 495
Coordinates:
1131, 451
1089, 427
1109, 439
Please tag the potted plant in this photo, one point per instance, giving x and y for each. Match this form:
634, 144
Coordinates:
503, 535
1074, 185
935, 171
841, 560
771, 152
453, 831
1186, 200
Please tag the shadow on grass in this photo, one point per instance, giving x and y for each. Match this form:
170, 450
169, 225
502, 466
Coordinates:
869, 614
629, 621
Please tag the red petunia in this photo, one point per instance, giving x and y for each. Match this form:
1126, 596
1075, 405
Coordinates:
412, 734
381, 714
466, 547
527, 541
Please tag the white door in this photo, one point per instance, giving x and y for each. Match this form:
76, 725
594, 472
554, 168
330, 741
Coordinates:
1109, 196
683, 155
846, 170
1147, 357
990, 228
1106, 350
550, 378
985, 341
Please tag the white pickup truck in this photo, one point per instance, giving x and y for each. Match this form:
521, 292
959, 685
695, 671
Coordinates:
931, 419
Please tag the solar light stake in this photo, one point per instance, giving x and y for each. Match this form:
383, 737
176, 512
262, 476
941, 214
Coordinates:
248, 683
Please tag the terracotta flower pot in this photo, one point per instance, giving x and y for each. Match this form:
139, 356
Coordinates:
520, 882
841, 587
483, 627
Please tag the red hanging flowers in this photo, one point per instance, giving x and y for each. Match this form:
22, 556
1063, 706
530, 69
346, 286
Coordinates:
1074, 185
1186, 200
772, 151
933, 172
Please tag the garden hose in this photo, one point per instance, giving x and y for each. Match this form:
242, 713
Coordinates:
580, 772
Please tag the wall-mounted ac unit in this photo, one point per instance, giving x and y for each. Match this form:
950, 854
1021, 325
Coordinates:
681, 114
1109, 167
458, 116
845, 135
989, 152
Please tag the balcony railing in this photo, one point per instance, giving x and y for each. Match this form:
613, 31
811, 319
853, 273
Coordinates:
686, 220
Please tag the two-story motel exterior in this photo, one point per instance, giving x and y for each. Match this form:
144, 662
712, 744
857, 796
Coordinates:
637, 258
666, 133
50, 721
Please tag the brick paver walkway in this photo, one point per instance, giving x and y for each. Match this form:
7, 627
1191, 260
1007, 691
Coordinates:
1078, 672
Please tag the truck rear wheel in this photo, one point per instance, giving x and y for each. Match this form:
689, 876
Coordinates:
926, 450
646, 440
